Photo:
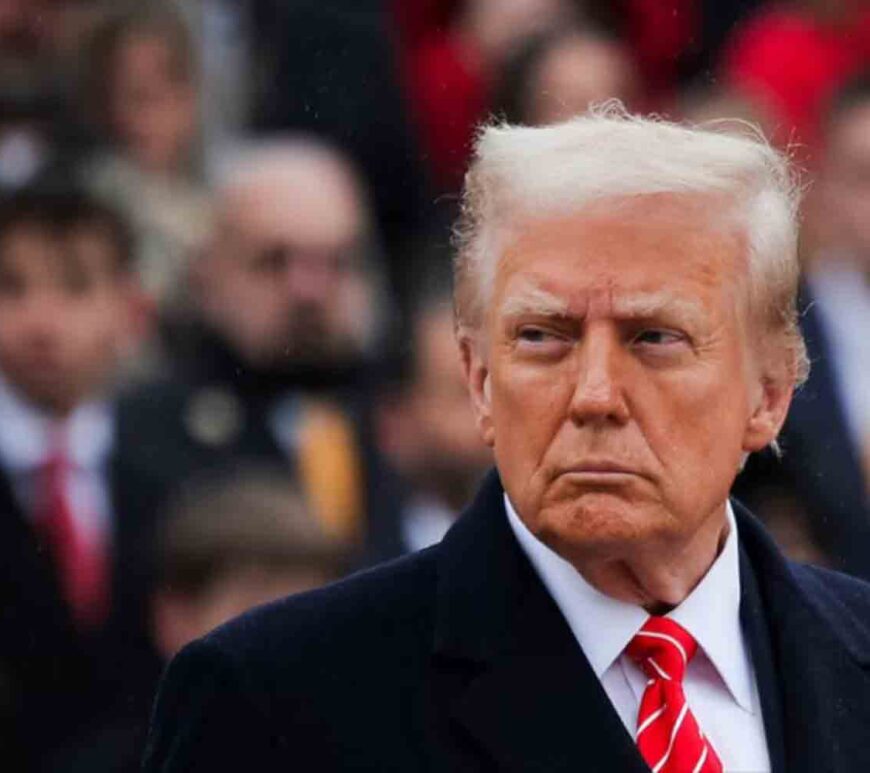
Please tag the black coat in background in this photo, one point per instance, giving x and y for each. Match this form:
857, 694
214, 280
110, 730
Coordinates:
457, 659
61, 684
820, 472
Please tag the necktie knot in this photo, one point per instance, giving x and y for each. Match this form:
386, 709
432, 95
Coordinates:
663, 649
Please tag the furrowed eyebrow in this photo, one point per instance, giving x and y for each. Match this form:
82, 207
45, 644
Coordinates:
645, 307
534, 301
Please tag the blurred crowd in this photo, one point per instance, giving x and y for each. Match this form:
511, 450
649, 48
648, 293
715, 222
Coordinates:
227, 369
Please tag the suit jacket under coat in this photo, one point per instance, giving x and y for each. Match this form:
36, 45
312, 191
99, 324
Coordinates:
456, 658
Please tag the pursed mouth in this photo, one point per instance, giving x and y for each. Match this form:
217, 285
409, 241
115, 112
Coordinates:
602, 470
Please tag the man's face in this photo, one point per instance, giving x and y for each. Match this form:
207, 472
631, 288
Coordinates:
64, 314
617, 387
284, 284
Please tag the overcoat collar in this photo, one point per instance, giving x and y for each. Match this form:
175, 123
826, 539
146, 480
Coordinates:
819, 637
534, 702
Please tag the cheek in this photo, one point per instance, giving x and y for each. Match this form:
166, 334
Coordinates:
696, 426
528, 410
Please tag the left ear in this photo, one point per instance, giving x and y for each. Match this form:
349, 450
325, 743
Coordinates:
771, 402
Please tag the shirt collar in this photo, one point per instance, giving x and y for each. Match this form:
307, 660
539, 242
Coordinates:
604, 626
28, 432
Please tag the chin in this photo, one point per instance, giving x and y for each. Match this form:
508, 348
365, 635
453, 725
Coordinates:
600, 525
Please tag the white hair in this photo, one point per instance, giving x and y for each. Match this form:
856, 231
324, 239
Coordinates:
608, 154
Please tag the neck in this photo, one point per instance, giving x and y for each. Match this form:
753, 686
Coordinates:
660, 578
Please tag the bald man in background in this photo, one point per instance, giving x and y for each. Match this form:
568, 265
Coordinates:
274, 363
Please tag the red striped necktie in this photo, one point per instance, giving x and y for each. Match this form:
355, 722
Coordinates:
668, 736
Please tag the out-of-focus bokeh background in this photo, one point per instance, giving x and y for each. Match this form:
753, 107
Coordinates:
227, 370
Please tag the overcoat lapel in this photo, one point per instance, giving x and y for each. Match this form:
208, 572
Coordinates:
821, 653
756, 629
533, 701
529, 700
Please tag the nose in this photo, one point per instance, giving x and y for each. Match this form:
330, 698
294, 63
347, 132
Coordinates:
309, 279
42, 320
599, 395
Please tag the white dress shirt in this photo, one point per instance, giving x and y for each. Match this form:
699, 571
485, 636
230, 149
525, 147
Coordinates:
720, 682
26, 436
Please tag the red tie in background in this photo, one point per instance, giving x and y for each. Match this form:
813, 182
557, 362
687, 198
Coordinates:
82, 563
668, 735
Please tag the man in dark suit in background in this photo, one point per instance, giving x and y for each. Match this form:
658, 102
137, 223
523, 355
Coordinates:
76, 508
275, 363
626, 316
816, 495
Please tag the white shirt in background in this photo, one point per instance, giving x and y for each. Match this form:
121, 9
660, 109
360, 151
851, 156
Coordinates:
26, 435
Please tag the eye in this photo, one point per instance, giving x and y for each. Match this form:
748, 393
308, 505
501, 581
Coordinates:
534, 335
538, 341
658, 337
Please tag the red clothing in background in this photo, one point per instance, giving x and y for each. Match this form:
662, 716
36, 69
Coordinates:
449, 96
659, 33
791, 63
444, 83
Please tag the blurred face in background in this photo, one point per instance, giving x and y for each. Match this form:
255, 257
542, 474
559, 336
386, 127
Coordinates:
497, 26
179, 618
575, 72
284, 283
444, 451
65, 313
153, 102
845, 184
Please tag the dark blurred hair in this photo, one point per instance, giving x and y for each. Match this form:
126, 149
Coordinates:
513, 90
147, 18
61, 211
254, 518
855, 92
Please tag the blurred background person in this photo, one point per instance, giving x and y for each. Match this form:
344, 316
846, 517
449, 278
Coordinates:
278, 356
428, 431
228, 546
76, 511
331, 70
555, 76
792, 57
816, 496
223, 547
140, 75
451, 71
